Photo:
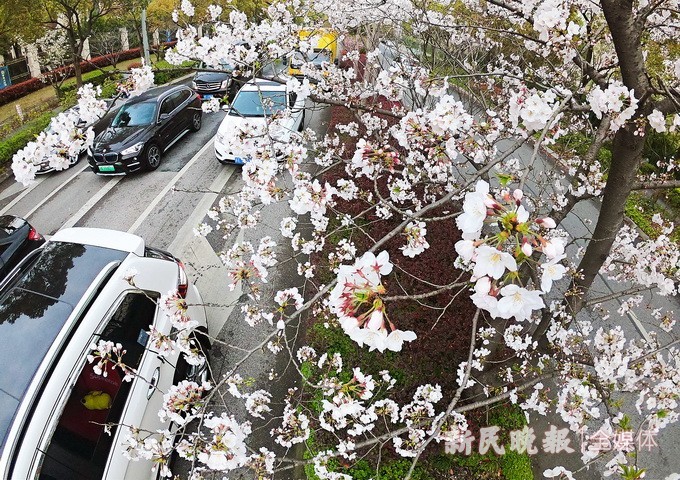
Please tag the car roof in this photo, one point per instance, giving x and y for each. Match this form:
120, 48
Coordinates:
35, 307
262, 84
100, 237
155, 93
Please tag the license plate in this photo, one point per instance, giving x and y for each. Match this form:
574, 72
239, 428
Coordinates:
239, 161
207, 96
107, 168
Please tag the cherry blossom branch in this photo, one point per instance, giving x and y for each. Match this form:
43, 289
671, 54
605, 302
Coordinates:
438, 424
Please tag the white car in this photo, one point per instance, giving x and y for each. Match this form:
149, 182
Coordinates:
253, 104
63, 298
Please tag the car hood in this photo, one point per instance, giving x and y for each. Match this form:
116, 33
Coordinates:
115, 138
211, 76
230, 122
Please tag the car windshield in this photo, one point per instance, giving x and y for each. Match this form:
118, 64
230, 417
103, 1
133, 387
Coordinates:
320, 56
135, 115
224, 65
258, 103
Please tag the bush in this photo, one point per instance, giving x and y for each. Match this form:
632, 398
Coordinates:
14, 143
14, 92
95, 78
134, 65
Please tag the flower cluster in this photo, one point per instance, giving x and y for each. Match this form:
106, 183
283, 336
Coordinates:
494, 259
361, 311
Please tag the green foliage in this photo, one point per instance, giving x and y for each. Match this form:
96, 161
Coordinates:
509, 466
395, 470
640, 208
69, 89
12, 144
164, 72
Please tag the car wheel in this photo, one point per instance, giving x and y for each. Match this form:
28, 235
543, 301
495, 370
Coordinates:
152, 157
196, 121
73, 160
194, 373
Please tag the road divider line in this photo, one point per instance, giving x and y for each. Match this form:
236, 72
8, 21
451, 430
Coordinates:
186, 232
22, 195
55, 191
168, 187
91, 203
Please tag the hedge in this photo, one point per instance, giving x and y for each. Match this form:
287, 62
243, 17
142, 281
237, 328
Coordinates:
14, 92
19, 140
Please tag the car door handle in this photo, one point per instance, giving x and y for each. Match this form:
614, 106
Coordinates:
153, 382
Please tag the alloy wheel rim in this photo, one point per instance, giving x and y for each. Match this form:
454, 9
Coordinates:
197, 121
154, 156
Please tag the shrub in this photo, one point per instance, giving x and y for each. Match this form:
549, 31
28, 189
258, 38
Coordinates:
14, 92
134, 65
14, 143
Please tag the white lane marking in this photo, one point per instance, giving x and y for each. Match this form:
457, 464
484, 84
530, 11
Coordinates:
91, 202
54, 192
186, 233
13, 189
167, 188
22, 195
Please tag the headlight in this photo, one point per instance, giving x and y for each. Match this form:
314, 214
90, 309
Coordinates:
193, 85
225, 84
220, 137
133, 150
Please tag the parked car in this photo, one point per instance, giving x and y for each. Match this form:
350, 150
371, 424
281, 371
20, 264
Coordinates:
17, 239
98, 126
325, 50
54, 404
216, 84
144, 128
257, 100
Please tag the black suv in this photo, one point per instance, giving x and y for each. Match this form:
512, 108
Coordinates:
215, 84
143, 128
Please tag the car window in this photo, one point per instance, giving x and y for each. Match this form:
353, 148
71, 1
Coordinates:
167, 106
180, 97
256, 103
80, 447
135, 115
320, 56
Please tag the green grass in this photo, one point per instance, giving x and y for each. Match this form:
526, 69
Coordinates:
12, 144
509, 466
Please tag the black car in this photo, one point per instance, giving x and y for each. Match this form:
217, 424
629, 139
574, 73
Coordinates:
143, 128
213, 84
17, 239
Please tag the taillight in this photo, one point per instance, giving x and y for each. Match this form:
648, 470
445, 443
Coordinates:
34, 235
182, 281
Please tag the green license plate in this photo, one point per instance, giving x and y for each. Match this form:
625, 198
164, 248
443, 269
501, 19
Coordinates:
107, 168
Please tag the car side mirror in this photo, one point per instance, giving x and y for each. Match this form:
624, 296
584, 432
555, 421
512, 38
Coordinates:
163, 117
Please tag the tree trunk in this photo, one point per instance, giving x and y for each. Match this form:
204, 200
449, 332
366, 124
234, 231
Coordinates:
626, 156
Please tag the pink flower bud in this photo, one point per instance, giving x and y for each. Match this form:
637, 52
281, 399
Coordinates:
526, 249
546, 222
518, 194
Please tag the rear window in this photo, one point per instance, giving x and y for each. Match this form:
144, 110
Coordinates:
34, 308
10, 224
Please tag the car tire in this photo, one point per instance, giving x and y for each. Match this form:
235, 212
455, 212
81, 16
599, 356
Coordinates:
196, 121
199, 374
152, 157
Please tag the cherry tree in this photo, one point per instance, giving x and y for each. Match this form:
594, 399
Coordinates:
435, 137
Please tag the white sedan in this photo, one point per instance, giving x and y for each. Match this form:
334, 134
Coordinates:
246, 122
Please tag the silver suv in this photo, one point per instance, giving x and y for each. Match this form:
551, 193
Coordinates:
64, 297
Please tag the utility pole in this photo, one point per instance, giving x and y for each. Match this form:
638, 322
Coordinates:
145, 38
